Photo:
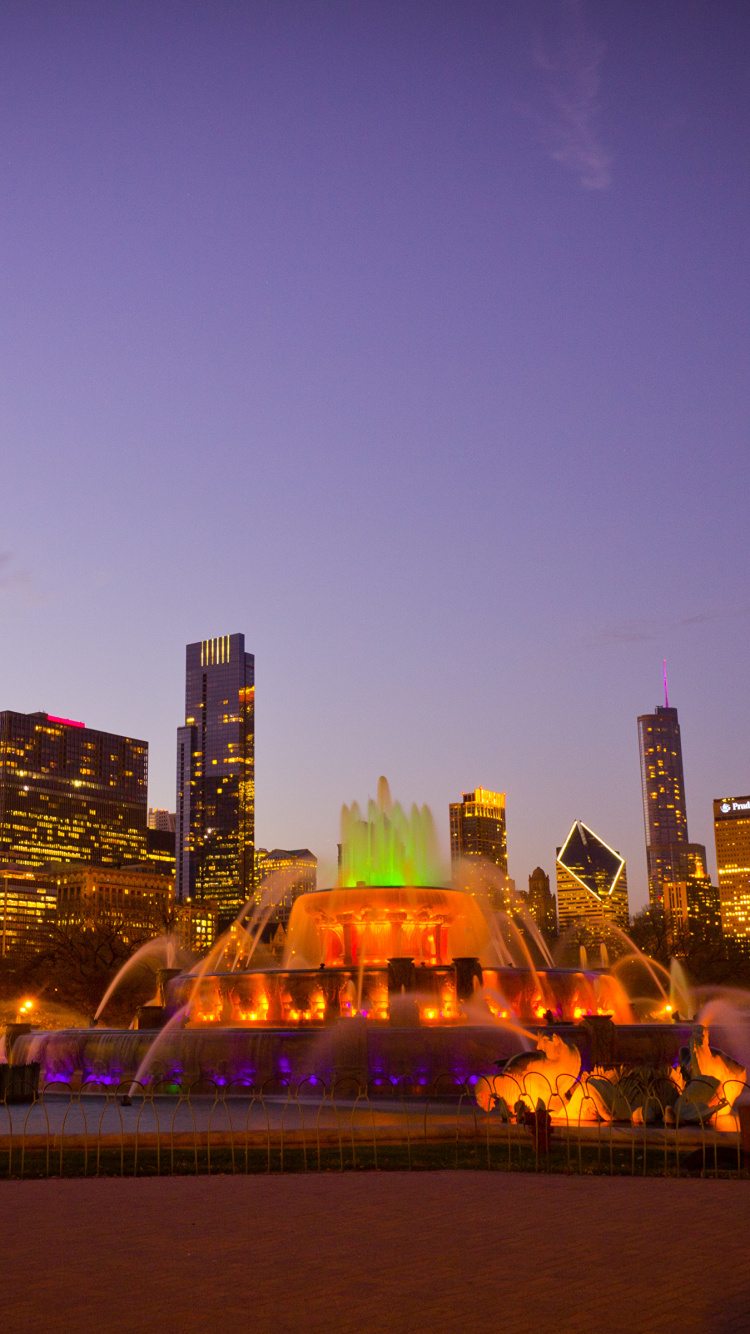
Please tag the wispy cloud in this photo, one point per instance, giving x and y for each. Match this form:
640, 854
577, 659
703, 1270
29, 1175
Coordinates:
568, 121
17, 582
647, 631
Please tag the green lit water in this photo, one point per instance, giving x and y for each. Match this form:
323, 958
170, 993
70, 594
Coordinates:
388, 847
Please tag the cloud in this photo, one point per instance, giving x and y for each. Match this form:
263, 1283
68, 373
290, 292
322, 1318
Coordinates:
17, 582
646, 631
568, 121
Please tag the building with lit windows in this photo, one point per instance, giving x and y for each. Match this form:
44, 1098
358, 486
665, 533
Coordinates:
69, 793
197, 925
160, 819
478, 828
215, 815
591, 880
664, 809
300, 867
732, 834
29, 908
136, 900
541, 903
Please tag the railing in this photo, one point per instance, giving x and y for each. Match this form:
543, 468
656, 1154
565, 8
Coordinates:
340, 1123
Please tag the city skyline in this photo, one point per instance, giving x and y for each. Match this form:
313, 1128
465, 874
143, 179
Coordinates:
215, 654
413, 341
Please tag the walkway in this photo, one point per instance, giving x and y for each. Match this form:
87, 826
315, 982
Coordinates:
376, 1254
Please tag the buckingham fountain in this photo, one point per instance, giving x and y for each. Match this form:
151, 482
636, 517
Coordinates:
392, 978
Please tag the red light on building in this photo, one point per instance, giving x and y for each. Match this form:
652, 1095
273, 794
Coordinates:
68, 722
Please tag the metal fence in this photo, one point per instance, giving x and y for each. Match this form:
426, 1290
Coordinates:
338, 1123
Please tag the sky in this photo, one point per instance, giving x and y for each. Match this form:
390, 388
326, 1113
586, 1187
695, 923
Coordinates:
410, 340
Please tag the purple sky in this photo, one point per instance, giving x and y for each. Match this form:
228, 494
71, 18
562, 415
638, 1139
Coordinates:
410, 340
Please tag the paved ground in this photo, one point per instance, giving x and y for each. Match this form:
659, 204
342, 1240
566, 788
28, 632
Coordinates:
376, 1254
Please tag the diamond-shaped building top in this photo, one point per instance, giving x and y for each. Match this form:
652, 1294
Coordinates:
591, 879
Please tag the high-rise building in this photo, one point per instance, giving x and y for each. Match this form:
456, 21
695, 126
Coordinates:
672, 859
215, 817
301, 867
478, 827
591, 880
69, 793
732, 833
663, 791
541, 903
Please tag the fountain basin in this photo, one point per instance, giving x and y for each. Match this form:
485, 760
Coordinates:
414, 1057
448, 994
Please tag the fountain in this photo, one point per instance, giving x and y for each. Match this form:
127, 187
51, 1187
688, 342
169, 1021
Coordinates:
389, 976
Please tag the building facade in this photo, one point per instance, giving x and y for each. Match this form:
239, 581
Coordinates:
477, 824
591, 880
300, 876
197, 925
541, 903
160, 850
136, 900
732, 834
29, 909
161, 819
215, 815
671, 857
69, 793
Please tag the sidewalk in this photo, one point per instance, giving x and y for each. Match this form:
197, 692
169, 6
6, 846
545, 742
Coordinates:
377, 1254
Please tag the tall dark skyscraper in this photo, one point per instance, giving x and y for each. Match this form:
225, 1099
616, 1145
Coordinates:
542, 904
69, 793
215, 817
670, 855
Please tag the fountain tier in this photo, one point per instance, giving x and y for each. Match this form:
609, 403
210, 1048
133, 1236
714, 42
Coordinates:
374, 923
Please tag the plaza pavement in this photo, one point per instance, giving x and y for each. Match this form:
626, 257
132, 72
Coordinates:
369, 1253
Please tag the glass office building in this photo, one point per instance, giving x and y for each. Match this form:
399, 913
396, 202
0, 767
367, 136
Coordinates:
215, 815
672, 859
591, 880
69, 793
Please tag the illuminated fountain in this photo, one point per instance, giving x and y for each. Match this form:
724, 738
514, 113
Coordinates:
389, 976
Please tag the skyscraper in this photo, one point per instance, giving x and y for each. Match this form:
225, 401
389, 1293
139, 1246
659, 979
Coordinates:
69, 793
669, 854
478, 827
732, 834
542, 903
215, 817
591, 881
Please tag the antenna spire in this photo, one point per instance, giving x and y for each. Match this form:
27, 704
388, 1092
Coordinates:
666, 696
